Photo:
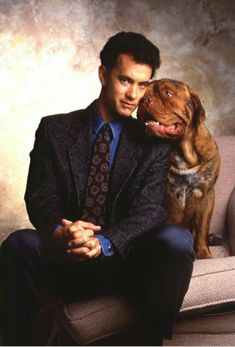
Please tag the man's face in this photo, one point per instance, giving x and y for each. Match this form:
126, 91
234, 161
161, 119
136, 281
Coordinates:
123, 87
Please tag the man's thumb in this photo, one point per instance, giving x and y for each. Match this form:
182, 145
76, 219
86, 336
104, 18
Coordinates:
65, 222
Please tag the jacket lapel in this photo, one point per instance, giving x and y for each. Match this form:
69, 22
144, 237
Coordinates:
80, 152
126, 160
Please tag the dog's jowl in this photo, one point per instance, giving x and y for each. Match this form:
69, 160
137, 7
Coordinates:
171, 110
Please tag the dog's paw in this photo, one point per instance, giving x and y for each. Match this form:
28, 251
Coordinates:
203, 253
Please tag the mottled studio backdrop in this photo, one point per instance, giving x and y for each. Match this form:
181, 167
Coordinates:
49, 53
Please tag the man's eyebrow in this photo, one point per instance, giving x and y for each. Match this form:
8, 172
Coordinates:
126, 77
144, 82
131, 80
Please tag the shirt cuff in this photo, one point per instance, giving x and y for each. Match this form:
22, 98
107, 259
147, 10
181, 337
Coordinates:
55, 228
106, 245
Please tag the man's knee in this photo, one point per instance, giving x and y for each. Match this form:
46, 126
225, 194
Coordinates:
173, 240
22, 243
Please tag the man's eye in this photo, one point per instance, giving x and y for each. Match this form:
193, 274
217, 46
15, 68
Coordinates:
143, 85
124, 80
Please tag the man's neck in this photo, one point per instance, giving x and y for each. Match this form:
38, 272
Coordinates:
99, 104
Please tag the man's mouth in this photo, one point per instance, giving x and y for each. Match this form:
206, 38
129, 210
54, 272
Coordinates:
128, 104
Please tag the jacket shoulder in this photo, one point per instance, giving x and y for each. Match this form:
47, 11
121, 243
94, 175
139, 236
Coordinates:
64, 125
62, 120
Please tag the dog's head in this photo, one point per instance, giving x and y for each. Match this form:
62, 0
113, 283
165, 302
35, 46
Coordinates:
169, 108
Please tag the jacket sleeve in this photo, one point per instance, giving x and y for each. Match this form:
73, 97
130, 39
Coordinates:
43, 199
149, 207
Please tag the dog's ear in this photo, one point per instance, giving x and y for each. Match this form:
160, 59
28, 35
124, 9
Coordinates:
199, 112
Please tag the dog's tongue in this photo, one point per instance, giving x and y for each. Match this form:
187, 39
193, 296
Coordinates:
157, 128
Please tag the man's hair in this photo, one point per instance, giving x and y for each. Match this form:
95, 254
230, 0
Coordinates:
137, 45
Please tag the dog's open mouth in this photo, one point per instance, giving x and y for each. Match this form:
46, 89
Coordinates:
159, 129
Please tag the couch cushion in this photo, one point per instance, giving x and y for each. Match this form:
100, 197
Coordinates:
231, 222
201, 340
225, 183
206, 323
212, 285
206, 330
97, 318
220, 251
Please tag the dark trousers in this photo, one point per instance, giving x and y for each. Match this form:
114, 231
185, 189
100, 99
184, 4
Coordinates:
155, 275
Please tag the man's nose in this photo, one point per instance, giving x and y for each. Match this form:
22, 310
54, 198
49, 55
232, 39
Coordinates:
132, 92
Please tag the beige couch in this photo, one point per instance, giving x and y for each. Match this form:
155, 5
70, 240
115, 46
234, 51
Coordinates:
207, 316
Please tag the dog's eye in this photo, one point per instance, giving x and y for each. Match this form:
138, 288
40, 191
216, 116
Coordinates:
168, 93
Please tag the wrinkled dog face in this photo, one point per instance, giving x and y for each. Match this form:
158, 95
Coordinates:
168, 108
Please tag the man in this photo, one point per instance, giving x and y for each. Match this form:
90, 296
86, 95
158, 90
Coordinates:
101, 228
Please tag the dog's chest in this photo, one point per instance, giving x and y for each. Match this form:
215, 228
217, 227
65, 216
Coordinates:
183, 181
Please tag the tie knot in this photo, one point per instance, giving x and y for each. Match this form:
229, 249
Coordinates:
104, 132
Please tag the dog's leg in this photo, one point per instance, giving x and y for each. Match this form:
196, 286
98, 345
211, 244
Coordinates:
201, 224
176, 211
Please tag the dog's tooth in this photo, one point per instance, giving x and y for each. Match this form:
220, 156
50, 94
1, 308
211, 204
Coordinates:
172, 127
157, 123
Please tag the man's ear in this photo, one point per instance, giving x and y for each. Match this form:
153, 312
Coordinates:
199, 112
103, 75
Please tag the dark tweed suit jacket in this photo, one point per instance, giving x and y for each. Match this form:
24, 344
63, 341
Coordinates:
59, 168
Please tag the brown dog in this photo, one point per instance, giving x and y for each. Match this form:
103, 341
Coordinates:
172, 110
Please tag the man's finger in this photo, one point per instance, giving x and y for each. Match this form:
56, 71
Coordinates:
81, 251
89, 225
79, 225
66, 222
95, 252
80, 233
91, 243
83, 240
84, 252
79, 241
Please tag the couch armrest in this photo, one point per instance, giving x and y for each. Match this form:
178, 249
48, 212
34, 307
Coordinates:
231, 222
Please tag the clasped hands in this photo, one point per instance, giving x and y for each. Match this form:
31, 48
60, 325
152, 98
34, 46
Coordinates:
77, 239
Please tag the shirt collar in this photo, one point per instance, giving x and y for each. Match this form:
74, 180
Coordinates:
98, 122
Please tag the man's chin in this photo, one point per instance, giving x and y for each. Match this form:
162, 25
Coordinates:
120, 112
123, 114
126, 112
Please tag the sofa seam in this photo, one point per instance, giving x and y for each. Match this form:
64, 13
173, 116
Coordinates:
212, 273
208, 305
93, 312
203, 333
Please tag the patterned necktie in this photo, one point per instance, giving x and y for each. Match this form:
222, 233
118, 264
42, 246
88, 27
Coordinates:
97, 184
